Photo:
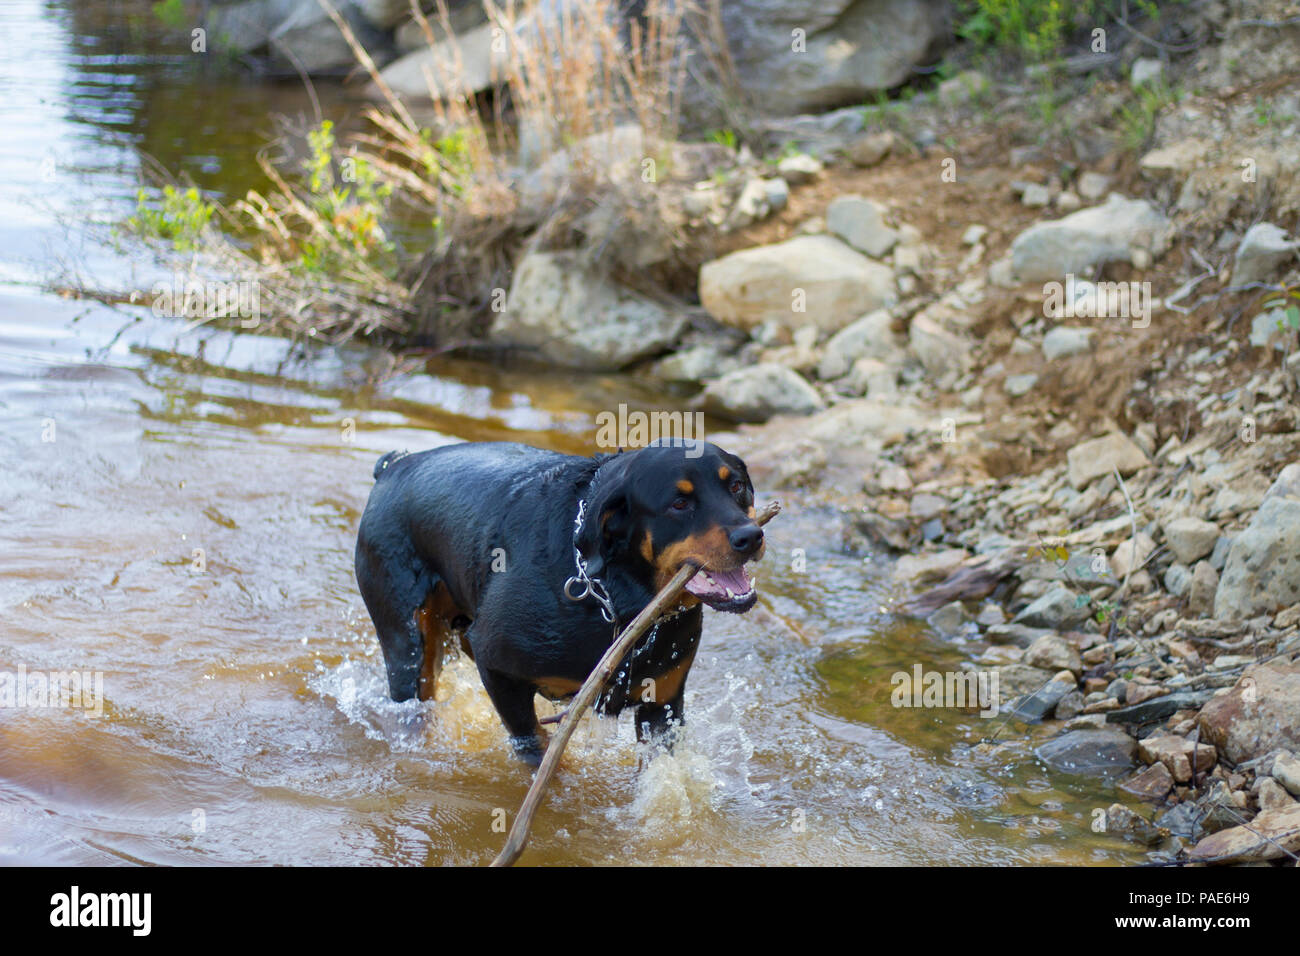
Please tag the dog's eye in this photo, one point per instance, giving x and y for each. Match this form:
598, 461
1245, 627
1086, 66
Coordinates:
680, 503
736, 487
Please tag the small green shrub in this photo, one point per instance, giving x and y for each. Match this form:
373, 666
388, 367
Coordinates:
180, 219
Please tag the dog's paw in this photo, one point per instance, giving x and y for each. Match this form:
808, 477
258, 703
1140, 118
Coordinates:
529, 749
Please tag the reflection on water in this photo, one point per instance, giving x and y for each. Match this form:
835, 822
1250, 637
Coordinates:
178, 509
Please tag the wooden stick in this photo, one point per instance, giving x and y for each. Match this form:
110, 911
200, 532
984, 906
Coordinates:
591, 688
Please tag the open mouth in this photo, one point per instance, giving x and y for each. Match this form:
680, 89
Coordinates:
724, 590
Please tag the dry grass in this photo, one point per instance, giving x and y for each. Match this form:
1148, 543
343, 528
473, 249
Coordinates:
563, 82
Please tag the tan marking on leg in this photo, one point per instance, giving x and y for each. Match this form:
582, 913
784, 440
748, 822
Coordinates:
666, 685
433, 620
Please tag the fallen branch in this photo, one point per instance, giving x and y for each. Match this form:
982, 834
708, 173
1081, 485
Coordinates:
586, 696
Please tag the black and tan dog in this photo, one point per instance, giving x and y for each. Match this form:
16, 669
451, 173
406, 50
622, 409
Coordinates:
541, 558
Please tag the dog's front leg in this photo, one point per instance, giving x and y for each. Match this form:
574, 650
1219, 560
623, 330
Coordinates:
658, 723
513, 699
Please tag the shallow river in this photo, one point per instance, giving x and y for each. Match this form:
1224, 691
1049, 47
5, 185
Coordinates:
177, 515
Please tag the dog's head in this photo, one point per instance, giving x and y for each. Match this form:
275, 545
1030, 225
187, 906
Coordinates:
671, 503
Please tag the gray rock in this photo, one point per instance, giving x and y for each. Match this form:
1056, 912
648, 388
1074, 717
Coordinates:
1182, 820
926, 506
869, 337
944, 355
1105, 750
1054, 653
846, 49
1035, 196
1017, 385
1018, 635
951, 620
573, 317
1263, 251
962, 88
1202, 590
1100, 456
1083, 240
1286, 771
1190, 538
384, 14
1057, 609
1262, 575
834, 283
861, 223
695, 364
756, 393
1287, 483
870, 149
799, 168
245, 27
1178, 579
1260, 713
1158, 708
1219, 556
1064, 341
1092, 186
1043, 701
1017, 680
1271, 835
1146, 70
1125, 822
308, 39
1070, 706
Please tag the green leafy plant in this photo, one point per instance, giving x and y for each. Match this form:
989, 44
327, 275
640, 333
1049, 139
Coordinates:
171, 13
1032, 28
180, 218
348, 204
1138, 118
1286, 305
723, 137
1053, 549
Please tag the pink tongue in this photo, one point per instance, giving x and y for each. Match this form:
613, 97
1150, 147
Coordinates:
737, 580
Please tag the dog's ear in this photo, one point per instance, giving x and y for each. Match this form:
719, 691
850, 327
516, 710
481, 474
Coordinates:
606, 523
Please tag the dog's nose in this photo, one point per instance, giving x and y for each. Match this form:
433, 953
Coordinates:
746, 539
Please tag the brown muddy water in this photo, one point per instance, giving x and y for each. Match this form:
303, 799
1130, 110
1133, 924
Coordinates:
177, 515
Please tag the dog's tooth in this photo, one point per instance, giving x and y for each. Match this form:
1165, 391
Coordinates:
729, 594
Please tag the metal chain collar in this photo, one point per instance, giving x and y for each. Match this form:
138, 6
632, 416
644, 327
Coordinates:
591, 587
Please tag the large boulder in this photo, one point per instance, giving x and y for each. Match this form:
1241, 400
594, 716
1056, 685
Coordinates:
299, 35
833, 283
798, 56
1089, 238
474, 61
1262, 574
574, 317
